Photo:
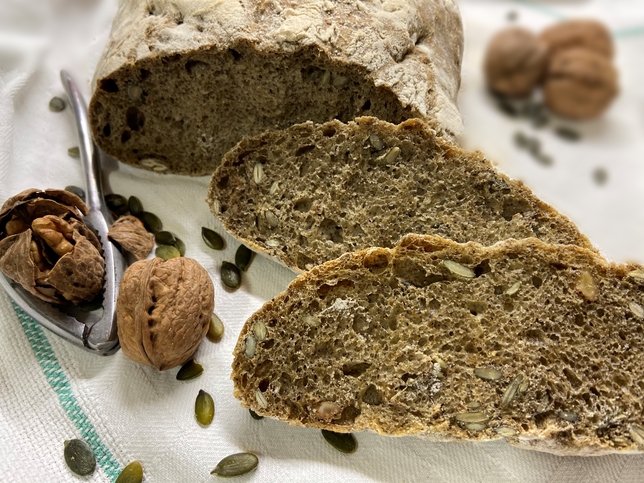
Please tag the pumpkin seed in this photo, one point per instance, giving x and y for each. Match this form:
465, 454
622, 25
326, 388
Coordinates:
250, 345
376, 142
79, 457
76, 190
258, 173
135, 206
488, 373
506, 431
271, 219
151, 222
567, 133
636, 309
212, 238
179, 245
513, 289
340, 80
392, 155
132, 473
475, 417
476, 426
343, 442
56, 104
619, 441
134, 92
600, 176
273, 243
243, 257
473, 405
204, 408
230, 275
189, 370
523, 387
274, 187
458, 269
216, 329
74, 152
165, 238
116, 203
236, 465
569, 416
637, 275
167, 252
326, 78
511, 390
441, 363
260, 331
254, 415
261, 399
637, 433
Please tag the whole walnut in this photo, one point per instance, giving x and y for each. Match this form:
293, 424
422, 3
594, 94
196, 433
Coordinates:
46, 247
163, 310
514, 62
585, 34
580, 84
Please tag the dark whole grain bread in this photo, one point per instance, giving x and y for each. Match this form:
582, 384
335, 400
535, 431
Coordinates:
179, 83
536, 343
310, 193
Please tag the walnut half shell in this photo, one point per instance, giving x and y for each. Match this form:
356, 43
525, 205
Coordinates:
163, 310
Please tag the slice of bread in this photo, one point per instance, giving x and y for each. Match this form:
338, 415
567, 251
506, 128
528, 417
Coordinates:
537, 343
310, 193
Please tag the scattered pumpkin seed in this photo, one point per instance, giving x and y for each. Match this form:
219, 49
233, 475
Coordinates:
636, 309
476, 426
216, 329
511, 390
76, 190
473, 405
79, 457
506, 431
151, 222
56, 104
274, 187
273, 243
189, 370
243, 257
254, 415
600, 176
376, 142
117, 203
567, 133
135, 206
230, 275
204, 408
569, 416
250, 345
637, 433
212, 238
343, 442
165, 238
261, 399
458, 269
587, 286
167, 252
179, 245
236, 465
74, 152
513, 289
392, 155
258, 173
488, 373
475, 417
271, 218
132, 473
260, 331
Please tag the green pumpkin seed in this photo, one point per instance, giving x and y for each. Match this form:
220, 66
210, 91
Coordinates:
254, 415
243, 257
637, 433
135, 206
376, 142
189, 370
570, 416
76, 190
343, 442
132, 473
167, 252
458, 269
74, 152
216, 329
151, 222
79, 457
472, 417
511, 390
506, 431
179, 245
165, 238
56, 104
204, 408
230, 275
236, 465
212, 238
116, 203
250, 346
260, 331
488, 373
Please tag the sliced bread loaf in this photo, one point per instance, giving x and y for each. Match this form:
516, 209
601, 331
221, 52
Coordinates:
310, 193
540, 344
179, 83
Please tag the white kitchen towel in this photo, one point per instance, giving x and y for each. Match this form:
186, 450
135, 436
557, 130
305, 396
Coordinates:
51, 391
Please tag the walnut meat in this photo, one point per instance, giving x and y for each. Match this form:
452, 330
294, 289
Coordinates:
585, 34
163, 310
580, 84
514, 62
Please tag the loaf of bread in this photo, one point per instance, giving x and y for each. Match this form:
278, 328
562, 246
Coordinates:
536, 343
311, 193
180, 82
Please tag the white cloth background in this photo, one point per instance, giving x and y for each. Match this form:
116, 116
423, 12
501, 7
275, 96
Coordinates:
138, 413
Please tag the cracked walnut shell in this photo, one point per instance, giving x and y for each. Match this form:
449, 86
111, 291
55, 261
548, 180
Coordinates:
163, 311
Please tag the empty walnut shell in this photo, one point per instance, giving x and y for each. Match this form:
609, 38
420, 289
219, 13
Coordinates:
585, 34
580, 84
163, 310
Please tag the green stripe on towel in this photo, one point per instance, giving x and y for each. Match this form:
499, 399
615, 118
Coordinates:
60, 384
